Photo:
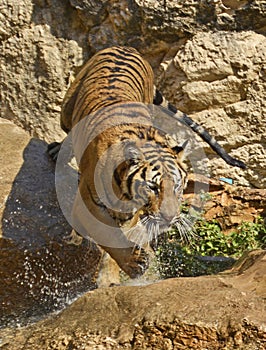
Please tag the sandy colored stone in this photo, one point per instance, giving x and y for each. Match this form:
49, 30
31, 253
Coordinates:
8, 170
212, 312
218, 79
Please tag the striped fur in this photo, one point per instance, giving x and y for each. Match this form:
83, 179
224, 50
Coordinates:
146, 175
119, 147
120, 74
111, 76
143, 163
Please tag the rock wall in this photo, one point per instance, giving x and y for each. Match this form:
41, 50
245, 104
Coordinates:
208, 58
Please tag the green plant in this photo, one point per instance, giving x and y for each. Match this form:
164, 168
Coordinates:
212, 241
174, 261
178, 259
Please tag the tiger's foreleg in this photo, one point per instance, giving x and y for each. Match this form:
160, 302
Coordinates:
134, 261
95, 223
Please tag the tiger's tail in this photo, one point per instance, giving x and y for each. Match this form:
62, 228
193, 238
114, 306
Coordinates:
160, 100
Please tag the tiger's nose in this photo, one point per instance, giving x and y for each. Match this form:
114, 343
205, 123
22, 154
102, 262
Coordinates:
170, 213
168, 217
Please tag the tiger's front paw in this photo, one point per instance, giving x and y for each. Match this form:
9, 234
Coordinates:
134, 261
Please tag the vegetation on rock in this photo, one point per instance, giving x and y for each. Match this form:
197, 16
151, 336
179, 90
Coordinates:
209, 250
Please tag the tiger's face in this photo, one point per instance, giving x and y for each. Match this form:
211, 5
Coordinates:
152, 179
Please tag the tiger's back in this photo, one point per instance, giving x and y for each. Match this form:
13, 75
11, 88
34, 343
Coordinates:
111, 76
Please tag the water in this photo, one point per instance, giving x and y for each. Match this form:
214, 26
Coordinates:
39, 272
35, 283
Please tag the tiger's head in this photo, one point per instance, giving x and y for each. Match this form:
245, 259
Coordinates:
152, 179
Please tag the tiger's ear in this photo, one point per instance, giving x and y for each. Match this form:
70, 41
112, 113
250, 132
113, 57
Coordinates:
133, 154
180, 150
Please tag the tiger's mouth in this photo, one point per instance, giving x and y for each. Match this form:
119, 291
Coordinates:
147, 229
162, 220
156, 222
150, 226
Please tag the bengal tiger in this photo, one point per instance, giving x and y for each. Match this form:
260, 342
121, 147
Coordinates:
149, 172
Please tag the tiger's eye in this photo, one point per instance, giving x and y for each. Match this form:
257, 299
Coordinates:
153, 187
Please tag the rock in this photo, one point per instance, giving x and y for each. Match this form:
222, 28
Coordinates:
39, 270
35, 67
208, 58
169, 314
228, 204
217, 79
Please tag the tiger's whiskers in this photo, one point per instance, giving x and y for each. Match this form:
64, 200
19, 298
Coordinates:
145, 231
148, 229
184, 225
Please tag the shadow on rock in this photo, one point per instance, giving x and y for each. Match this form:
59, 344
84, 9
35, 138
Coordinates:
39, 271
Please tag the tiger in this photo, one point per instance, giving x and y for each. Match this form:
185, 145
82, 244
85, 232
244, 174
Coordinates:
110, 95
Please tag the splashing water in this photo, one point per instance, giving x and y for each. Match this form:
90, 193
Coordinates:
43, 281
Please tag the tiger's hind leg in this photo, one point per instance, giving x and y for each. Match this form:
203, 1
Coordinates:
53, 150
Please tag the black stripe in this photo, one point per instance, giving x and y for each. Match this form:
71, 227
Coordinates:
123, 64
135, 57
159, 156
135, 116
117, 78
172, 108
181, 168
171, 166
154, 177
128, 133
151, 155
143, 174
136, 81
104, 104
130, 179
116, 72
117, 178
158, 98
128, 197
212, 142
137, 195
99, 204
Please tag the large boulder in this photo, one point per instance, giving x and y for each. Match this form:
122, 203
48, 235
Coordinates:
226, 311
